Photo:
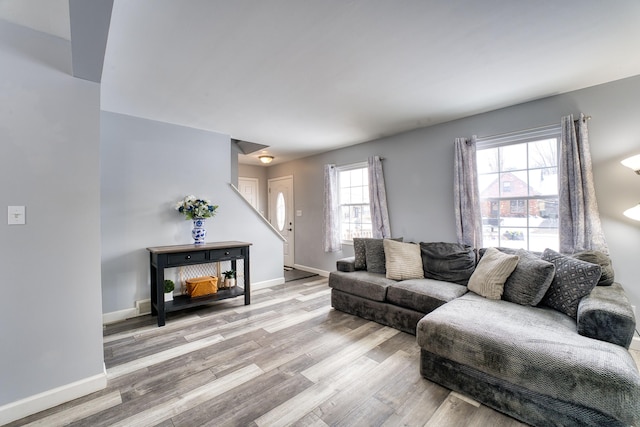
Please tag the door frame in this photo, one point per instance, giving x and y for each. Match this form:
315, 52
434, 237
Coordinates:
291, 240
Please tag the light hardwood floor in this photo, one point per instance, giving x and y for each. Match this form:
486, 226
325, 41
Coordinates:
286, 359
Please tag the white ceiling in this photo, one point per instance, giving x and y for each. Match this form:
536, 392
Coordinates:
306, 76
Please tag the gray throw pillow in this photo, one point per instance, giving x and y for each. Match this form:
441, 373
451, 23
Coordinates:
450, 262
360, 253
530, 281
375, 258
596, 257
574, 279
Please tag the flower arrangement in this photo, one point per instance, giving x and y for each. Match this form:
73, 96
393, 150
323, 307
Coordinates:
192, 207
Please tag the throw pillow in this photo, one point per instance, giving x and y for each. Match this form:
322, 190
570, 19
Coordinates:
491, 273
530, 281
574, 279
402, 260
374, 254
603, 260
450, 262
360, 253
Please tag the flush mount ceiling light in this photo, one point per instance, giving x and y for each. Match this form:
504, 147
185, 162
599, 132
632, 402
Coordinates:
265, 159
633, 213
632, 163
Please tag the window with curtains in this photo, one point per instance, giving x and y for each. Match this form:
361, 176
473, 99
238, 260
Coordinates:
518, 185
355, 214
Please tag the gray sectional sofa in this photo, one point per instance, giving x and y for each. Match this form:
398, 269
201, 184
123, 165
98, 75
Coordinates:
550, 350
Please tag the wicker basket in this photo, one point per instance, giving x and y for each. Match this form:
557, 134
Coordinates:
202, 286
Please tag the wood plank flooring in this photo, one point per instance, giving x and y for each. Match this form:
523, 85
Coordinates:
286, 359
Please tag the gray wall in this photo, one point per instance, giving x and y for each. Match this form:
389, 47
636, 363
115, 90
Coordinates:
146, 168
51, 318
260, 173
418, 170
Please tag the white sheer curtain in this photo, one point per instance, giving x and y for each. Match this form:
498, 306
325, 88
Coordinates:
378, 199
466, 193
580, 227
331, 209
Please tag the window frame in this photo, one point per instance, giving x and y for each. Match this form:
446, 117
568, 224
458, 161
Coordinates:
348, 168
511, 139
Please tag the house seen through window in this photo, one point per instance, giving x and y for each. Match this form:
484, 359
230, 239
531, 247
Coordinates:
355, 217
518, 183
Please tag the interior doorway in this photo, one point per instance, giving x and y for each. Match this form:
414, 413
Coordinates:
248, 187
281, 214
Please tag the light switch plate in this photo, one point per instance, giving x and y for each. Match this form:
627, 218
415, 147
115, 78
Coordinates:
298, 213
16, 215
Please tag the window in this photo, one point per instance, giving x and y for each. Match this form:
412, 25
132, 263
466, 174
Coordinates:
355, 217
518, 182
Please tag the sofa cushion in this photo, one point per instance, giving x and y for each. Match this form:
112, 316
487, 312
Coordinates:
574, 279
534, 348
374, 254
423, 295
596, 257
402, 260
451, 262
346, 264
492, 272
530, 281
606, 314
362, 283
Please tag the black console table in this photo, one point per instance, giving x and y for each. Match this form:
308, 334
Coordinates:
161, 257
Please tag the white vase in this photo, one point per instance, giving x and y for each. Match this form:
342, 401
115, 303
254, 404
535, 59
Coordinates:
199, 233
229, 283
168, 296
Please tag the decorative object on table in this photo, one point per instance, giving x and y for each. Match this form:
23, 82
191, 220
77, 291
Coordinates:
169, 286
229, 278
197, 209
202, 286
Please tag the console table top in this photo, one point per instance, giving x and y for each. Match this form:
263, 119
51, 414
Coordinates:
194, 247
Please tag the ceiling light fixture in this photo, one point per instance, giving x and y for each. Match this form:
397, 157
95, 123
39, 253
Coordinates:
632, 163
265, 159
633, 213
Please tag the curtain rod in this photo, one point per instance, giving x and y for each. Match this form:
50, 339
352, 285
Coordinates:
526, 130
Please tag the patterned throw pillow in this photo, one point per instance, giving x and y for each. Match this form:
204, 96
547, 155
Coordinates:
596, 257
491, 273
574, 279
360, 253
402, 260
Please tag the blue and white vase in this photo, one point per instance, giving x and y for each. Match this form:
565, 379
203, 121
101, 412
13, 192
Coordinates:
199, 233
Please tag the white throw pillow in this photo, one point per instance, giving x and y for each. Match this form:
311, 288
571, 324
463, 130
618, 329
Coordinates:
403, 261
491, 273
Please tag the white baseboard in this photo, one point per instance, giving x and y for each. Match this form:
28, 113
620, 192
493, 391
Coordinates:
117, 316
635, 343
319, 272
54, 397
267, 283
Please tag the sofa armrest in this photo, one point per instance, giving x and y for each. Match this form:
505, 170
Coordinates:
346, 264
606, 314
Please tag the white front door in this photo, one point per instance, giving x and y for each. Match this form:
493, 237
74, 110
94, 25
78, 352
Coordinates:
281, 213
